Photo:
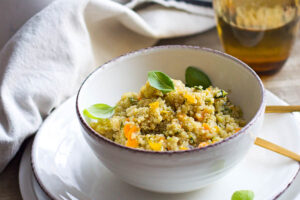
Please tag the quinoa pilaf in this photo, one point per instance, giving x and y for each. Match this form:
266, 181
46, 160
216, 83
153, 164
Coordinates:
182, 119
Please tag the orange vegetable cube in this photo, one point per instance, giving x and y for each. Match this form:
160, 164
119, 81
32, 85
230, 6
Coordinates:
206, 126
237, 130
129, 129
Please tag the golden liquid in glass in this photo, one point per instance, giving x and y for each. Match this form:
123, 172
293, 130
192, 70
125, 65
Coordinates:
265, 50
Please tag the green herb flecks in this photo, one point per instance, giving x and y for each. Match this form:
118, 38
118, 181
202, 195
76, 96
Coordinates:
132, 100
191, 140
198, 87
196, 77
221, 94
160, 81
243, 195
99, 111
208, 101
121, 125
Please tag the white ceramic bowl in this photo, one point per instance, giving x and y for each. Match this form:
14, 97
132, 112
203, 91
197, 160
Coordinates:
173, 171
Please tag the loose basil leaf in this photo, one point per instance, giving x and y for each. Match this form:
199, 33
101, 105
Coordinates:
243, 195
160, 81
99, 111
196, 77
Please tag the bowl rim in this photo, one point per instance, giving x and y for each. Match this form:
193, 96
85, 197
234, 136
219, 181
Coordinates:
99, 137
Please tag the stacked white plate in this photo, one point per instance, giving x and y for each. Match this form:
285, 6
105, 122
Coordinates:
62, 166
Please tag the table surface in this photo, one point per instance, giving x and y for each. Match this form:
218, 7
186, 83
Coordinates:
285, 84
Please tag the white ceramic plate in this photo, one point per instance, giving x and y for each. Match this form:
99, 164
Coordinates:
66, 168
30, 190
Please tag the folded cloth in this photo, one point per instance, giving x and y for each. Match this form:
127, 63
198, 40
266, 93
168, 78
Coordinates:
47, 59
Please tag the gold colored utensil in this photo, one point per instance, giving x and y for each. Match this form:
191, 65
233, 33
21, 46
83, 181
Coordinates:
282, 109
274, 147
278, 149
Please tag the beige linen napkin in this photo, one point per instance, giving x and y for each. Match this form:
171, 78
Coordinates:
46, 60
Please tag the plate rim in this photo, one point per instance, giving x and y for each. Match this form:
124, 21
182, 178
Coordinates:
23, 173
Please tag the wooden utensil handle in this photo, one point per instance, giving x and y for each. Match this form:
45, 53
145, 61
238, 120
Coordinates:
282, 109
278, 149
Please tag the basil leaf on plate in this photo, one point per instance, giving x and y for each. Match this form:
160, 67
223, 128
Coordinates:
196, 77
243, 195
99, 111
160, 81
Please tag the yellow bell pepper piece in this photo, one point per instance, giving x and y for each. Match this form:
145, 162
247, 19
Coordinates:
156, 146
154, 105
190, 98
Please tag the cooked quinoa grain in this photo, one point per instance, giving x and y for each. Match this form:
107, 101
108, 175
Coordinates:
182, 119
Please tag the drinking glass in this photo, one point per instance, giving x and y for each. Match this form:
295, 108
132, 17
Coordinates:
259, 32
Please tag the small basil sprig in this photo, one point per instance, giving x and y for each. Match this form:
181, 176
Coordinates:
196, 77
99, 111
243, 195
160, 81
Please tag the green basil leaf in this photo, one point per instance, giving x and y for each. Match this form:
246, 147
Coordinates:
160, 81
99, 111
196, 77
243, 195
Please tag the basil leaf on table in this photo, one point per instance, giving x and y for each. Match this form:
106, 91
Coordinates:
99, 111
160, 81
196, 77
243, 195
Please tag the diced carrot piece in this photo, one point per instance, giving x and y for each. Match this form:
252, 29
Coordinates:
237, 130
206, 126
132, 143
129, 129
